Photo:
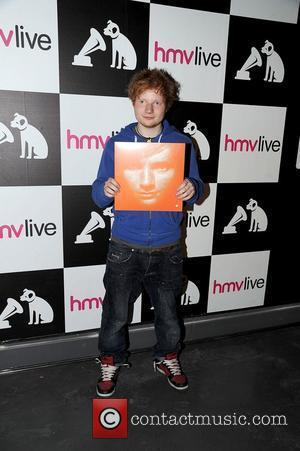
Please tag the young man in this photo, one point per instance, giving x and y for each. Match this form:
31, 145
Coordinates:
144, 248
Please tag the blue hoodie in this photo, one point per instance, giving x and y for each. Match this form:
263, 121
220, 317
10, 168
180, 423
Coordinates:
144, 228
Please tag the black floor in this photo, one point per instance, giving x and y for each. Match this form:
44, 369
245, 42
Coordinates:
50, 408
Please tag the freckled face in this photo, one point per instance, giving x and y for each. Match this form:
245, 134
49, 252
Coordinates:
149, 109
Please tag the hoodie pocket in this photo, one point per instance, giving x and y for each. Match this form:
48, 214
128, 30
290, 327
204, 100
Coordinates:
135, 220
167, 219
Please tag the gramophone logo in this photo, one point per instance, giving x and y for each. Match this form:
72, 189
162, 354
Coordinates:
40, 311
258, 220
95, 222
33, 143
123, 52
274, 66
202, 142
5, 134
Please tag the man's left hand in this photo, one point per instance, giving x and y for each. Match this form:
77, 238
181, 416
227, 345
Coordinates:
186, 190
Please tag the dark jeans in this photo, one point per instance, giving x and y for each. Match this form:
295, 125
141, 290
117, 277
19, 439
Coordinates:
127, 270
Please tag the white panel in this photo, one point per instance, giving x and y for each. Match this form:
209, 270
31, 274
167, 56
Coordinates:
87, 122
192, 45
280, 10
30, 228
84, 295
200, 226
251, 143
237, 281
29, 45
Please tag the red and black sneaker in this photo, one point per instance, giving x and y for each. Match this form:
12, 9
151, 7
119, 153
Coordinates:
106, 384
170, 367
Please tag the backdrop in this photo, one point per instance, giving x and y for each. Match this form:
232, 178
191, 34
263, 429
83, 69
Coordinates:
65, 68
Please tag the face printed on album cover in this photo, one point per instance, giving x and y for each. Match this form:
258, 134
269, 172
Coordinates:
151, 175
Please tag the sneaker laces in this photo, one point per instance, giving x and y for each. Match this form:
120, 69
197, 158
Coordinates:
107, 371
174, 366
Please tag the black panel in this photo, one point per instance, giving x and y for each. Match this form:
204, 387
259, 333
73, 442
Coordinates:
77, 217
35, 116
74, 31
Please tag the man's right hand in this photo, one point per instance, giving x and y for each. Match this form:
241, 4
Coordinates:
111, 187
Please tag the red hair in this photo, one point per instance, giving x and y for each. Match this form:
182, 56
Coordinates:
158, 79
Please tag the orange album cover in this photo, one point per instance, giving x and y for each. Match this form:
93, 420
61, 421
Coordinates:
149, 175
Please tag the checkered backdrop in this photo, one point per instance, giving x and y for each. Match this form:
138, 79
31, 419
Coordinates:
65, 68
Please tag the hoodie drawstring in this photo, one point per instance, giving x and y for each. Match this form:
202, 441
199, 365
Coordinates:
159, 139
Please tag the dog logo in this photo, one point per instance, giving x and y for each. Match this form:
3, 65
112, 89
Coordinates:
259, 220
40, 312
122, 49
200, 138
275, 67
32, 139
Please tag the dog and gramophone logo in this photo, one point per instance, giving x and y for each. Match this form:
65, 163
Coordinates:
123, 52
40, 311
29, 139
33, 142
244, 218
30, 304
258, 63
274, 67
105, 49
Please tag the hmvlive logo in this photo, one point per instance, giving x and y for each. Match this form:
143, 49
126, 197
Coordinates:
235, 286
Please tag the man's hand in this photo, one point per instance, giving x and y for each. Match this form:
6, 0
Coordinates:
186, 190
111, 187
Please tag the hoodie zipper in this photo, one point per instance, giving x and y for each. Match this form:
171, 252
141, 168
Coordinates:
150, 230
150, 212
